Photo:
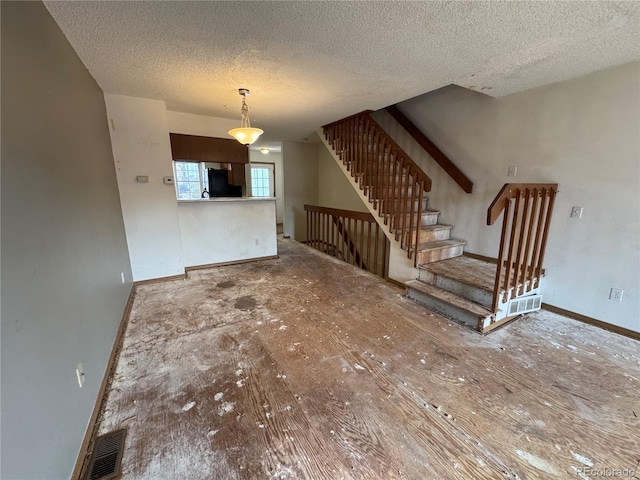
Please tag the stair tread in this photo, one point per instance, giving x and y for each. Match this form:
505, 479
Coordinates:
431, 228
471, 271
449, 297
436, 226
438, 244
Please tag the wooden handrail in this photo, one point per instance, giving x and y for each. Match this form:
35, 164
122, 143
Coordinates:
331, 229
443, 160
526, 210
337, 212
392, 182
510, 190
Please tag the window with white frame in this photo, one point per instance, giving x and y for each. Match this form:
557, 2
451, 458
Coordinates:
191, 180
260, 182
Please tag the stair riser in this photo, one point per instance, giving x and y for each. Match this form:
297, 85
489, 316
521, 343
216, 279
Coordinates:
427, 219
429, 256
431, 235
407, 203
439, 306
397, 203
475, 294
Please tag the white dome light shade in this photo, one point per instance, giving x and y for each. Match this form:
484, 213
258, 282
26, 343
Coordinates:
245, 134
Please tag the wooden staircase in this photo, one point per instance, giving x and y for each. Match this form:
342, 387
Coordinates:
478, 293
433, 239
394, 185
461, 289
485, 295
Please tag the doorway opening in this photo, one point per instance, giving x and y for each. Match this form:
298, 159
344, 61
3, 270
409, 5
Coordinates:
262, 182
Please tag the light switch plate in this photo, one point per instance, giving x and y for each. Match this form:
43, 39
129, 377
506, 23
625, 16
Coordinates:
168, 180
142, 179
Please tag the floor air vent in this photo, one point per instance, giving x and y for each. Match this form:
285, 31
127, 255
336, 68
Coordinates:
525, 305
107, 456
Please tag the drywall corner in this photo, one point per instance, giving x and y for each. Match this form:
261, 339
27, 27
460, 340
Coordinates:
141, 146
300, 161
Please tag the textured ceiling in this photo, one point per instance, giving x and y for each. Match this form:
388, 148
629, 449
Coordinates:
309, 63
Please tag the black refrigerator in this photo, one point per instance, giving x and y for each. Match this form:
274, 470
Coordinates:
219, 185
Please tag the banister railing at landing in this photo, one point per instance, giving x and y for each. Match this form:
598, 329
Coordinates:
526, 210
391, 180
354, 237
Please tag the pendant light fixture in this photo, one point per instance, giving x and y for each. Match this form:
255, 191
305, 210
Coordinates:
245, 134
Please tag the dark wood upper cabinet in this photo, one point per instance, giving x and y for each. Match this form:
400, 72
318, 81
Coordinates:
235, 172
207, 149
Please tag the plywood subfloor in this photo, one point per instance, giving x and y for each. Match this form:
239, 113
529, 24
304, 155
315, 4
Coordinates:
305, 367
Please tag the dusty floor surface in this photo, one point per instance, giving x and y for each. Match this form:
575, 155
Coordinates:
305, 367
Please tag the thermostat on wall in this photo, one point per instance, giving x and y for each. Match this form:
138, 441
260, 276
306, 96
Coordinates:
168, 180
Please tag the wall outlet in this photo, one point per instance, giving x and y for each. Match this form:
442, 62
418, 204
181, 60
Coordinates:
513, 170
616, 294
80, 375
122, 276
167, 180
576, 212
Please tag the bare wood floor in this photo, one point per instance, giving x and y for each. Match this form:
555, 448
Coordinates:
305, 367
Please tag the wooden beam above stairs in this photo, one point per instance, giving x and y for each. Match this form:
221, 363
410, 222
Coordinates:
437, 154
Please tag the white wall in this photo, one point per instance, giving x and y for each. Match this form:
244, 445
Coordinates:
255, 156
300, 185
334, 190
583, 134
140, 141
190, 124
217, 231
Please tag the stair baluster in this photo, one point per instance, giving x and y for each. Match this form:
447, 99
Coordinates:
349, 235
389, 179
522, 206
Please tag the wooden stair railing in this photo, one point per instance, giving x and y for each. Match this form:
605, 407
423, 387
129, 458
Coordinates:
330, 230
431, 148
391, 180
527, 210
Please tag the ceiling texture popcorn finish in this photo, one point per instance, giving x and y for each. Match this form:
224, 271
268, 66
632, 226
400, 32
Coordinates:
310, 63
